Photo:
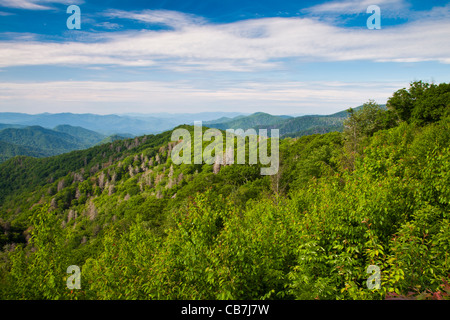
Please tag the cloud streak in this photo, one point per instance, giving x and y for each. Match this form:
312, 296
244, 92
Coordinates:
355, 6
35, 4
181, 96
23, 4
169, 18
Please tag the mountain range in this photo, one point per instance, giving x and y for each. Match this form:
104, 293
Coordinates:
125, 124
288, 125
45, 135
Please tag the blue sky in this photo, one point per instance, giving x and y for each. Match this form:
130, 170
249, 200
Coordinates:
280, 57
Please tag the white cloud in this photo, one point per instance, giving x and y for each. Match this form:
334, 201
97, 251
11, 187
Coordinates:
173, 19
356, 6
36, 4
436, 13
274, 97
341, 9
108, 25
240, 46
22, 4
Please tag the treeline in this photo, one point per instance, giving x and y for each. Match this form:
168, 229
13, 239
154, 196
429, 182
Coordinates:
140, 227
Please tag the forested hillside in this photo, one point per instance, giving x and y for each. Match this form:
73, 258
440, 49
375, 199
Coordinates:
141, 227
247, 122
289, 126
87, 137
49, 141
9, 150
39, 142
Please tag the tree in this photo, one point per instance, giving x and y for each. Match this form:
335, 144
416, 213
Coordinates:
422, 103
365, 121
361, 124
402, 101
40, 273
432, 105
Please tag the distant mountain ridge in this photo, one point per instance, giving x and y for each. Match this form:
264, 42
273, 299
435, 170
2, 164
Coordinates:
38, 141
289, 126
246, 122
5, 125
104, 124
141, 124
135, 124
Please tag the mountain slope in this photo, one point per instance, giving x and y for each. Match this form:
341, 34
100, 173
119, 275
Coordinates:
51, 141
88, 137
5, 125
247, 122
39, 142
315, 124
113, 138
312, 124
9, 150
289, 126
26, 173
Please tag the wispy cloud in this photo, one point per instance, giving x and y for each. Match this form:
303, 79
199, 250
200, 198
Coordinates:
436, 13
356, 6
108, 25
169, 18
22, 4
389, 8
36, 4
